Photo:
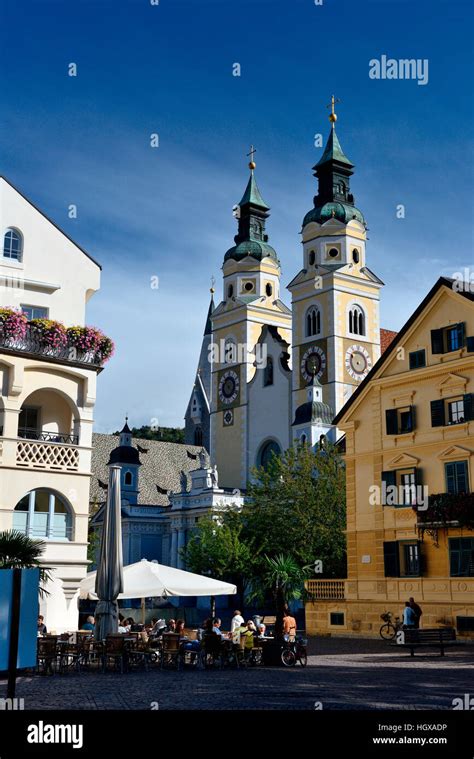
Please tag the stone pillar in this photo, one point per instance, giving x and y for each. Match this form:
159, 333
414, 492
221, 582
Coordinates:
181, 544
174, 548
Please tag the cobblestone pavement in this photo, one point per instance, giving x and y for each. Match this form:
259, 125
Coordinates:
341, 674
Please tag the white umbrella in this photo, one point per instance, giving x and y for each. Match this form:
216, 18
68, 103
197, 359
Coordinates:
108, 580
148, 579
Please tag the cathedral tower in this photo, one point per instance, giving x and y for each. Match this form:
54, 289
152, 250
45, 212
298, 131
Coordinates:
335, 296
251, 301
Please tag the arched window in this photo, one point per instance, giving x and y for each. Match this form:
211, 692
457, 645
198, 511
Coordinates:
230, 352
128, 479
230, 291
311, 257
356, 321
43, 514
198, 436
268, 372
268, 289
313, 321
12, 245
303, 439
267, 452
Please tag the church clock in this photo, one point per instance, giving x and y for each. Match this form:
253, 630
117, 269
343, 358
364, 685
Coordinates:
228, 387
313, 363
358, 362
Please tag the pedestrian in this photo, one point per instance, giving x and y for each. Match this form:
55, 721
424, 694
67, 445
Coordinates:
41, 626
237, 620
418, 611
409, 616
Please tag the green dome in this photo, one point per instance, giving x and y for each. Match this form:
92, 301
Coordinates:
258, 250
342, 211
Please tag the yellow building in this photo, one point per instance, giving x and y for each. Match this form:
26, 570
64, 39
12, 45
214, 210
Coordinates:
409, 431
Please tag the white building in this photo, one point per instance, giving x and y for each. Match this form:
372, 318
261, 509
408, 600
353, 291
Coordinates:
47, 396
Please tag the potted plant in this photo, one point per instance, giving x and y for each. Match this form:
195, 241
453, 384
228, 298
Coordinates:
13, 323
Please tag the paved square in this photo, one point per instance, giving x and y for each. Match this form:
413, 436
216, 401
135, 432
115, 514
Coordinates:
341, 674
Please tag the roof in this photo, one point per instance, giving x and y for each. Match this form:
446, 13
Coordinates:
208, 327
386, 337
252, 195
395, 342
50, 221
124, 454
333, 151
162, 464
334, 209
258, 250
313, 411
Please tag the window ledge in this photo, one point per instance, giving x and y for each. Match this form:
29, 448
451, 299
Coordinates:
11, 263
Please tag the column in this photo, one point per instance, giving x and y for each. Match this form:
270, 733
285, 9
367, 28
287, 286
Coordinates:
181, 544
174, 550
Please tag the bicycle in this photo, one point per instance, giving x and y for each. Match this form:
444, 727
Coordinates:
389, 630
293, 652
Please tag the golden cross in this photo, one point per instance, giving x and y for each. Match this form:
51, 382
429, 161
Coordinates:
251, 154
332, 115
213, 282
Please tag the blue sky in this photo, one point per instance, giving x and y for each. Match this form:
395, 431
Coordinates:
167, 212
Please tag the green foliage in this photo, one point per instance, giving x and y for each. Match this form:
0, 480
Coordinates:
165, 434
297, 508
18, 551
284, 577
217, 549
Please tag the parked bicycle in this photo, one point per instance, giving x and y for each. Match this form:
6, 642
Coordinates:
389, 630
294, 651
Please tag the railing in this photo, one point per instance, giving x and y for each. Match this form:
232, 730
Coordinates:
448, 509
52, 456
34, 344
30, 433
326, 589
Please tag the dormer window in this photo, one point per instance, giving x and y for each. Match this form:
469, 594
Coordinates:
13, 245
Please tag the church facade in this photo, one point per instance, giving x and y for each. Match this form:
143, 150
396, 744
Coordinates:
274, 375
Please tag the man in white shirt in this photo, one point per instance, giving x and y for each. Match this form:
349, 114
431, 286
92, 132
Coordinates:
237, 621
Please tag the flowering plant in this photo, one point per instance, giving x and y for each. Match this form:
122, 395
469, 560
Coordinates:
91, 339
52, 333
13, 323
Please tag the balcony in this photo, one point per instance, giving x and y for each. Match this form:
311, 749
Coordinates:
326, 589
35, 344
447, 510
30, 433
31, 454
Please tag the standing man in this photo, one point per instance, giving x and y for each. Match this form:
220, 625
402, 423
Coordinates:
237, 621
417, 610
409, 616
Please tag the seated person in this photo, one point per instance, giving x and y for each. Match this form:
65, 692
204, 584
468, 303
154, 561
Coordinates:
89, 625
216, 624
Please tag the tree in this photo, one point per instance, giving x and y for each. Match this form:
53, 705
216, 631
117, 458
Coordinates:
296, 508
218, 550
283, 576
164, 434
18, 551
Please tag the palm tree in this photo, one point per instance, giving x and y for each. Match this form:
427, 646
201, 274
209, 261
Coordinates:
285, 578
18, 551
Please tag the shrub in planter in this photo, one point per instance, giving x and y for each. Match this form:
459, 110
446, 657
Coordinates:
13, 323
53, 334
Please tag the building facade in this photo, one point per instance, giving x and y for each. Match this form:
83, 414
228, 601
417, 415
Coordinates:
48, 392
409, 431
266, 355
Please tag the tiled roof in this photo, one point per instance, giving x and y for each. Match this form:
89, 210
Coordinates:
386, 337
161, 467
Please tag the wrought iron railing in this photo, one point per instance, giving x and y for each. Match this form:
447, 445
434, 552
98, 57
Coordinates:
34, 343
446, 509
29, 433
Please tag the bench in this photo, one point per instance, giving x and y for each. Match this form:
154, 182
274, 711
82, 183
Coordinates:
435, 637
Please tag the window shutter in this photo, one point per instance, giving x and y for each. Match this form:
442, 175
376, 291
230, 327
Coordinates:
470, 344
412, 419
450, 478
437, 342
468, 401
390, 478
460, 333
391, 418
391, 559
437, 413
418, 476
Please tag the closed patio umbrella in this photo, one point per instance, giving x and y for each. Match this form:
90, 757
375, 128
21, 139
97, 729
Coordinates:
108, 580
149, 579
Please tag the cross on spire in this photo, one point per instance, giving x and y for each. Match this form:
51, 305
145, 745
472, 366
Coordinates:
252, 163
333, 115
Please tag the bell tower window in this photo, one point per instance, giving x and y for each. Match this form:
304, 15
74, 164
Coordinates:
128, 479
313, 321
356, 321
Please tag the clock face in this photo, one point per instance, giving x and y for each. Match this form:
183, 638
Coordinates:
358, 362
313, 362
228, 387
